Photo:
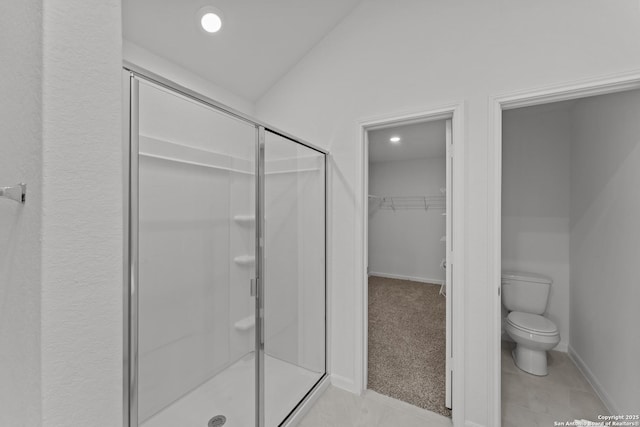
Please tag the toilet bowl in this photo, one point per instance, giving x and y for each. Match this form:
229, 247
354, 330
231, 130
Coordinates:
526, 295
534, 336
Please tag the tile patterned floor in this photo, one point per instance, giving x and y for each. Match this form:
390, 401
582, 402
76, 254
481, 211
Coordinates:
338, 408
531, 401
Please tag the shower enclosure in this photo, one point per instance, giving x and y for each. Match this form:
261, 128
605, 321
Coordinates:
226, 293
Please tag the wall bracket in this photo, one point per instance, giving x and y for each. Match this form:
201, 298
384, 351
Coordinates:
16, 192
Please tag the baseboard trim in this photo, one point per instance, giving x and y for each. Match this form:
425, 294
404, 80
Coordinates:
411, 278
472, 424
344, 383
591, 378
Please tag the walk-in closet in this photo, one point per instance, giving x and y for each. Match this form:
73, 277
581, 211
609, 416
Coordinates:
407, 246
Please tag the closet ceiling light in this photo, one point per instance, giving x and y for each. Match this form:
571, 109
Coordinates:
394, 140
210, 19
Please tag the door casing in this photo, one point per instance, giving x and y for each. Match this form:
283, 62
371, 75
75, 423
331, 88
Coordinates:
455, 259
556, 93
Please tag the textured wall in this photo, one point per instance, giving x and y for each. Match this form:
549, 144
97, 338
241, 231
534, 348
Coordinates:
20, 226
391, 57
82, 216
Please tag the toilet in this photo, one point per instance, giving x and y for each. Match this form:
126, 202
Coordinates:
525, 296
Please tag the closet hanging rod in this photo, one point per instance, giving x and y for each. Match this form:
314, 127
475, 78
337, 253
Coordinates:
16, 192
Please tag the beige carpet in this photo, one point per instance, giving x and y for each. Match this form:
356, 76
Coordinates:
407, 342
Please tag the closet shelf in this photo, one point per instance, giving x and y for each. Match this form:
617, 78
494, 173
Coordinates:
245, 260
409, 202
245, 324
245, 220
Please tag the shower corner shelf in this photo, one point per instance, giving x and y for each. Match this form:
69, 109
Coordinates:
245, 220
245, 324
245, 260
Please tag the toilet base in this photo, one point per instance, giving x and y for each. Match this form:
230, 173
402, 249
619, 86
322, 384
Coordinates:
531, 361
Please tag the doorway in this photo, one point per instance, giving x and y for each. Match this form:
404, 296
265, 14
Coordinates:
443, 206
583, 141
407, 263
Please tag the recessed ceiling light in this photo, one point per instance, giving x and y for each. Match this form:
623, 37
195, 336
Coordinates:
210, 19
394, 140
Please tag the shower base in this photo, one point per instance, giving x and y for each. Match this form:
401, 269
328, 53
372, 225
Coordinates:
232, 393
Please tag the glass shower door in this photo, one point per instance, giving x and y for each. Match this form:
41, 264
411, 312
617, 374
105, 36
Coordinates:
226, 290
196, 255
294, 274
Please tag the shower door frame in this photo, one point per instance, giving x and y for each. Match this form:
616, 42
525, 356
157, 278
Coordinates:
131, 76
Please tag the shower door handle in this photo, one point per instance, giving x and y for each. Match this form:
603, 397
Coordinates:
252, 288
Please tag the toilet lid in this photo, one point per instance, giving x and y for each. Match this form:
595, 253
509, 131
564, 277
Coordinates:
532, 323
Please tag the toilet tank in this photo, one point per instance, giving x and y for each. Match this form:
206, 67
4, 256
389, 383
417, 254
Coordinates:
526, 292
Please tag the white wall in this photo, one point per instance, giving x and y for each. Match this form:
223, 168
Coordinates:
169, 70
442, 52
61, 254
605, 243
294, 254
82, 214
282, 257
406, 243
20, 226
535, 200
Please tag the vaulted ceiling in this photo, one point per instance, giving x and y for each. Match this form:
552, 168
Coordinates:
261, 40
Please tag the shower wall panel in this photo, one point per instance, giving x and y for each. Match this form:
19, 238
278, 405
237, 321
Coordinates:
183, 307
281, 265
196, 176
294, 270
294, 254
